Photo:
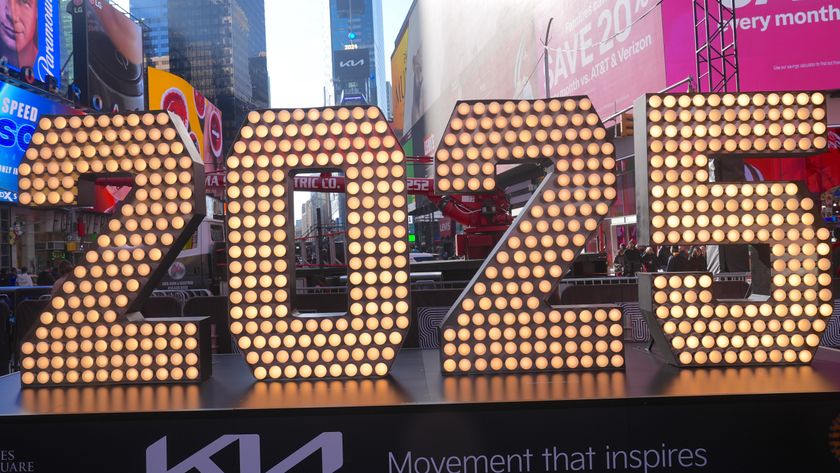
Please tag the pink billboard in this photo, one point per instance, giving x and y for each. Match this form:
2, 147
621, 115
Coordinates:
610, 50
782, 44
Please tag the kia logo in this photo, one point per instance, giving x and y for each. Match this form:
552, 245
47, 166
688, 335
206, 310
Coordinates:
351, 63
330, 445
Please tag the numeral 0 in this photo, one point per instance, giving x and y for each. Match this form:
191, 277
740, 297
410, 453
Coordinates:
90, 332
278, 342
791, 296
501, 322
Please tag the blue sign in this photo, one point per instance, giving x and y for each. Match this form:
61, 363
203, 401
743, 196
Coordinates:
19, 114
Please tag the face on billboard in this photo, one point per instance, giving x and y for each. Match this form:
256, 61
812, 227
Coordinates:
28, 32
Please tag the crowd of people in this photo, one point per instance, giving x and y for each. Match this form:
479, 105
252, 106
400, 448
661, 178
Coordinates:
631, 259
46, 277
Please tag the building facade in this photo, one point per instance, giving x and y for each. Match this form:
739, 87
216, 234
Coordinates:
155, 16
444, 52
221, 51
358, 52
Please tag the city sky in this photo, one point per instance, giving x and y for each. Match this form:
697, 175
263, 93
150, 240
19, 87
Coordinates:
297, 43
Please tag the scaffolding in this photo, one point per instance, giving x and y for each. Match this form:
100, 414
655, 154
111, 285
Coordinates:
716, 46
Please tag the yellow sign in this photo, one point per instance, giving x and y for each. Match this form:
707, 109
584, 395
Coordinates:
398, 74
202, 119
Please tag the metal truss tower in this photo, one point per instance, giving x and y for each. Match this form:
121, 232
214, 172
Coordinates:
716, 46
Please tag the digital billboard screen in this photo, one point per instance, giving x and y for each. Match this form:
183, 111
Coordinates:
352, 64
202, 119
19, 114
29, 36
782, 44
108, 56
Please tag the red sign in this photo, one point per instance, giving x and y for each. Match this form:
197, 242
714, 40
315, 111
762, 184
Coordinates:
214, 181
415, 185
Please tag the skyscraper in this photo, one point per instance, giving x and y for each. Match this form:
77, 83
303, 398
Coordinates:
219, 47
358, 51
155, 16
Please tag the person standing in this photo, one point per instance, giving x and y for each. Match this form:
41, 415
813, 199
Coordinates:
45, 278
649, 261
678, 263
697, 259
23, 278
619, 261
663, 256
632, 260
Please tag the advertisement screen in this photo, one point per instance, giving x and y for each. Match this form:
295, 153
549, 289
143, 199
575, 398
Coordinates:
202, 119
29, 36
609, 50
398, 75
109, 46
352, 64
782, 44
19, 114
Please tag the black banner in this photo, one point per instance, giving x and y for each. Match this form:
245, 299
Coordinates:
772, 433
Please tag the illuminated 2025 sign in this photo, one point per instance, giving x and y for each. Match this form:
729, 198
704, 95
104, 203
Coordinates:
679, 204
90, 333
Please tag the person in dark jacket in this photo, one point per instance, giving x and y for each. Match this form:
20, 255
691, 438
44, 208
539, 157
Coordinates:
619, 262
632, 260
663, 256
697, 259
650, 264
45, 278
678, 262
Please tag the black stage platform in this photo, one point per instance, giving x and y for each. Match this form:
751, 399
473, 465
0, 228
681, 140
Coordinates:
649, 418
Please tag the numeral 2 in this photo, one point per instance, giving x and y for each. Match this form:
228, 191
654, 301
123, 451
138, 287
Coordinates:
91, 331
502, 322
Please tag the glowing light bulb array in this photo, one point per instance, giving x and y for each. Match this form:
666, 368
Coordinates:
276, 341
85, 335
501, 322
678, 204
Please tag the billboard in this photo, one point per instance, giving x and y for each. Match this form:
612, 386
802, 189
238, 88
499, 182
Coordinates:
202, 119
611, 50
398, 75
351, 64
108, 56
782, 44
29, 37
19, 114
